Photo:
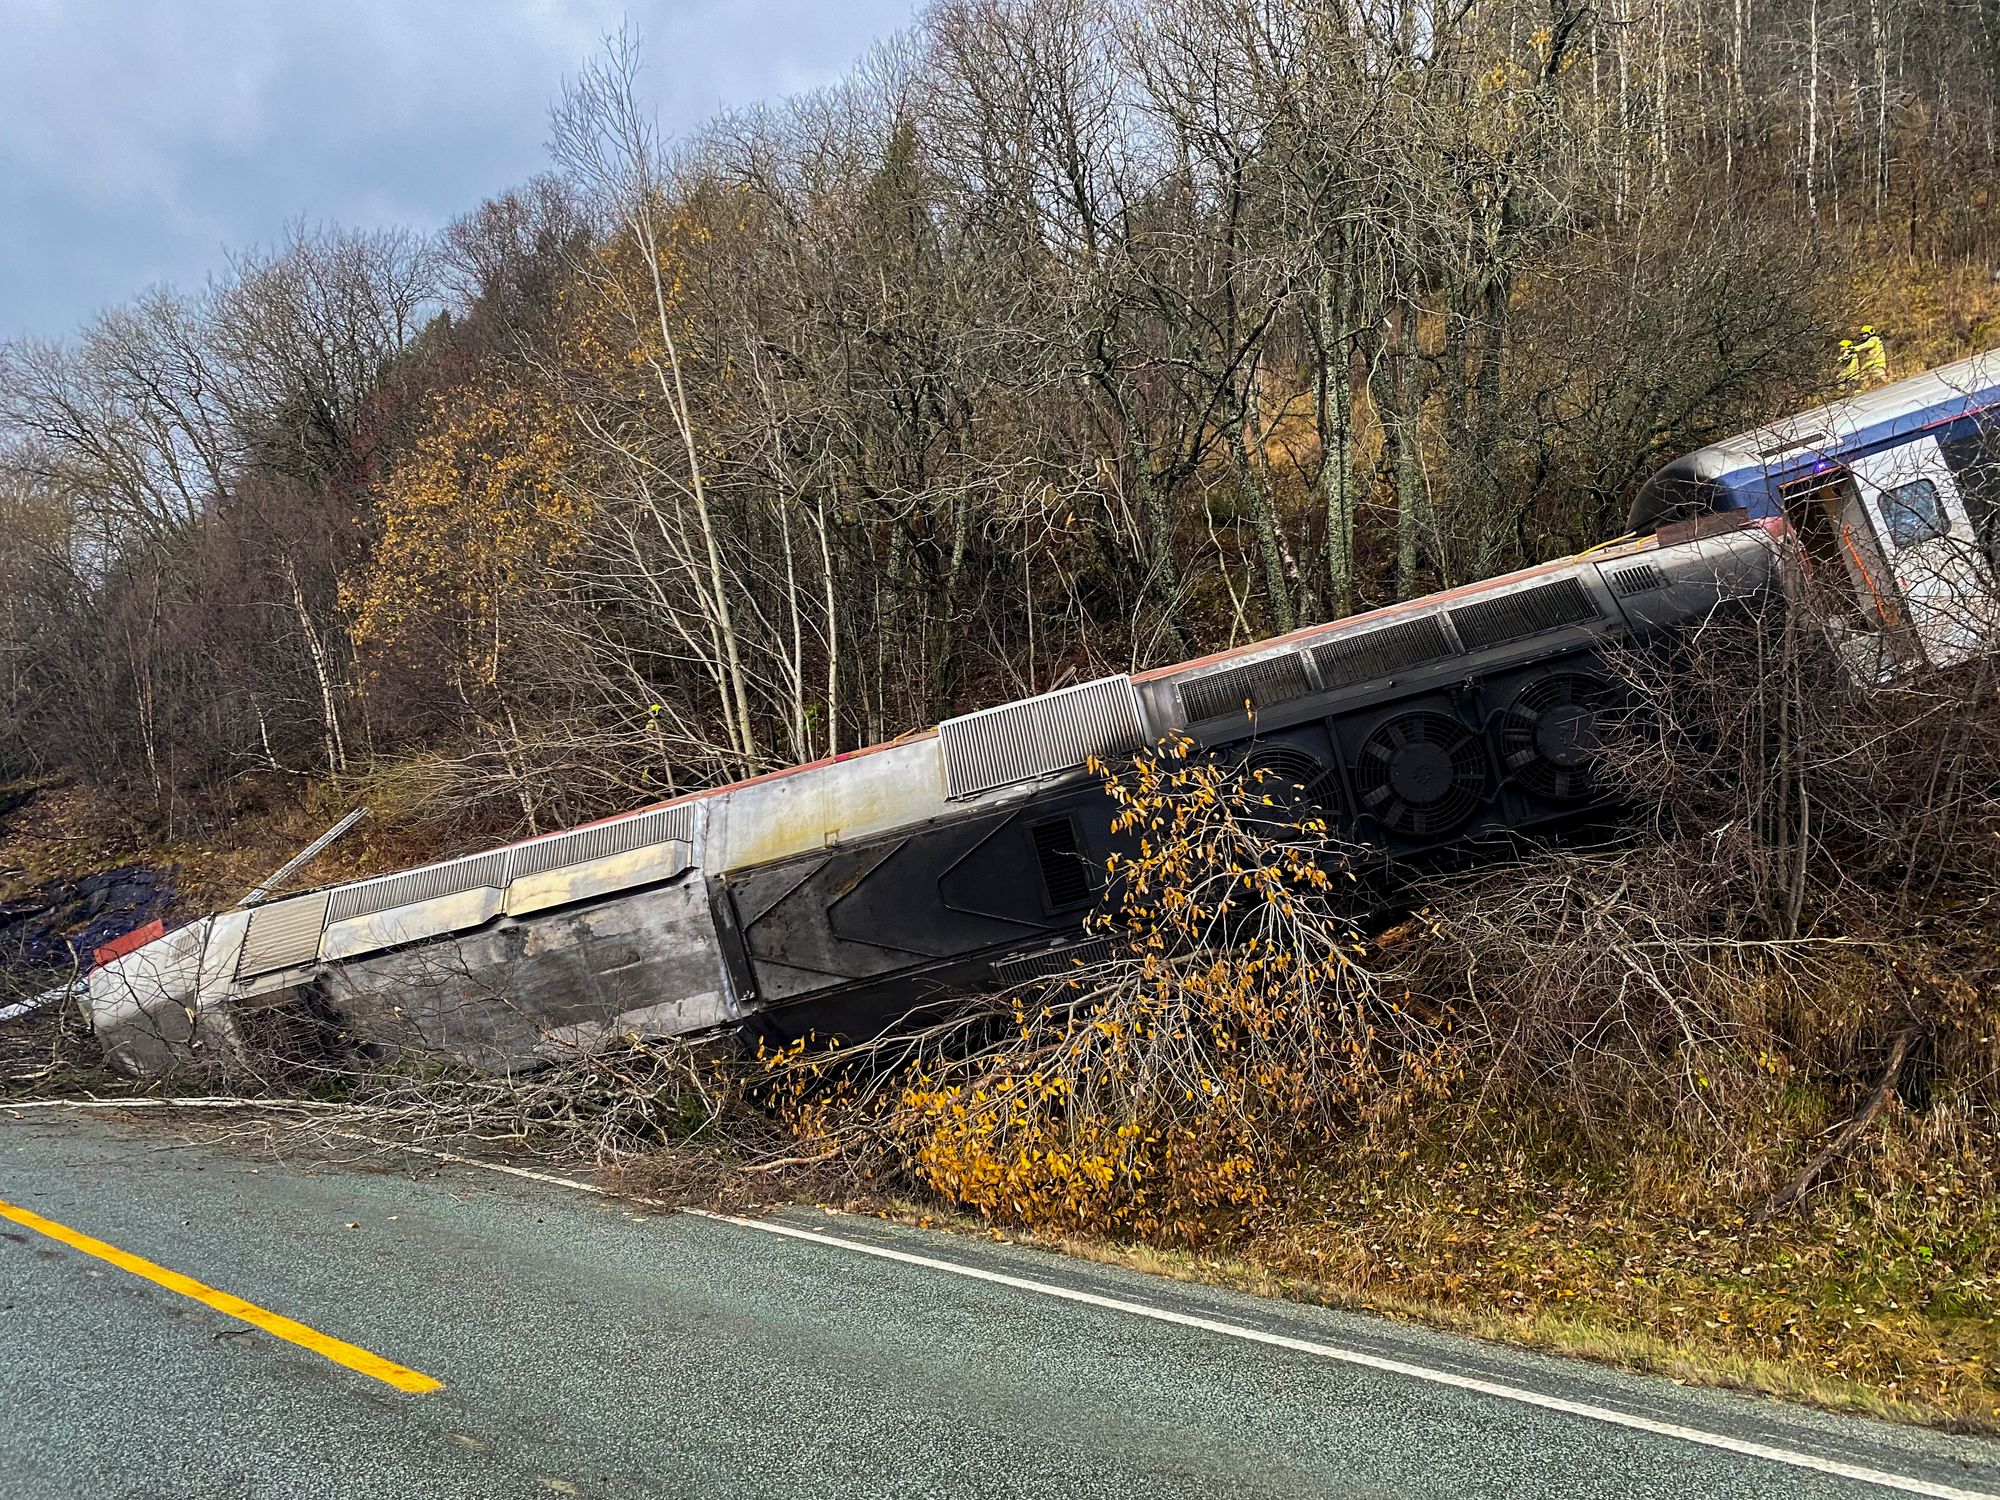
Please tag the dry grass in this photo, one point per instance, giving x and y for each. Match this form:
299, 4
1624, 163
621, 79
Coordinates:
64, 830
1928, 313
1882, 1303
1575, 1333
58, 831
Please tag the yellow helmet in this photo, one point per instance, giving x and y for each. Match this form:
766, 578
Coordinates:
1866, 329
1847, 343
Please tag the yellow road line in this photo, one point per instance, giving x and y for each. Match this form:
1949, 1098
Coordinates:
276, 1324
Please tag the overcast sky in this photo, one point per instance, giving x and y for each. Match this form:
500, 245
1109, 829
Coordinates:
140, 140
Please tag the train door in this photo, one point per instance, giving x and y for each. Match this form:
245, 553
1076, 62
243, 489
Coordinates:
1930, 550
1864, 612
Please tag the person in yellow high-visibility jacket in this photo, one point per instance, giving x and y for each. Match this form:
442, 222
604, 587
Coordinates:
1870, 356
1850, 364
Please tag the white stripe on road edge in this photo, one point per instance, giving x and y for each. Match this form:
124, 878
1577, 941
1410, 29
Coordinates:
1905, 1483
204, 1101
1794, 1459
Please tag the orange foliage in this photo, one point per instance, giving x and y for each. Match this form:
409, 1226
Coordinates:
468, 527
1172, 1089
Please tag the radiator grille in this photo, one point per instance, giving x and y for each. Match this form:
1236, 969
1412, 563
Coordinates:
282, 935
1039, 737
1055, 962
621, 837
1546, 606
1401, 647
472, 873
1275, 679
1640, 578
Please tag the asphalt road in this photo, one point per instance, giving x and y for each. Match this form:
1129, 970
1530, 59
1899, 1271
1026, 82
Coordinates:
587, 1349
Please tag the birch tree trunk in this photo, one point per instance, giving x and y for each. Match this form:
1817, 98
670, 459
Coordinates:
336, 745
1336, 422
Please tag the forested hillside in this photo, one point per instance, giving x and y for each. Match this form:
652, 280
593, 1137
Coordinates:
1062, 337
1067, 337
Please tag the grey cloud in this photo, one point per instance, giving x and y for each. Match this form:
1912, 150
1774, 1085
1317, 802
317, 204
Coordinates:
142, 139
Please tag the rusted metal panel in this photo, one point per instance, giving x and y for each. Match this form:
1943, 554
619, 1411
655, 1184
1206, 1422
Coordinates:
839, 802
771, 820
899, 787
589, 879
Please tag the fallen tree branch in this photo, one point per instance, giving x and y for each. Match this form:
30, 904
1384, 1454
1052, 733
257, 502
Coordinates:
1899, 1051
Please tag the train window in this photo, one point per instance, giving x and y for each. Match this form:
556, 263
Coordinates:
1913, 513
1974, 460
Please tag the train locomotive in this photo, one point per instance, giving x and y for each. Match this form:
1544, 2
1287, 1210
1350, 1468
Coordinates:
835, 898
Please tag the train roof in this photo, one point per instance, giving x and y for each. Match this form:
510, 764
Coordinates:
1745, 472
905, 780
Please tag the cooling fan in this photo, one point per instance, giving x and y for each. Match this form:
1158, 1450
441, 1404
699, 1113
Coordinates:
1294, 779
1422, 774
1549, 734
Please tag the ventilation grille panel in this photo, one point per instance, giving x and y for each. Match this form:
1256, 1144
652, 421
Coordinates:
1402, 647
1064, 874
1056, 732
1640, 578
1053, 964
1275, 679
448, 879
1530, 611
620, 837
282, 935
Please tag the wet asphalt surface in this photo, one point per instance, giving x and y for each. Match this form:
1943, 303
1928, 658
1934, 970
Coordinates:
588, 1348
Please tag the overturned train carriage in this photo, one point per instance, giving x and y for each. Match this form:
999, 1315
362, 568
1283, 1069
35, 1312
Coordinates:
1892, 496
838, 896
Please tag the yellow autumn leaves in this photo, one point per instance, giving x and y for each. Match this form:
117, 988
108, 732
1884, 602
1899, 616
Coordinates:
468, 527
1172, 1089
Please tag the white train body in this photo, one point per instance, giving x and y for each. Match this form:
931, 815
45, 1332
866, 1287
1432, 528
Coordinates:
837, 896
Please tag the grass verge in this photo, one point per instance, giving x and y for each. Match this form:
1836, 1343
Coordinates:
1879, 1301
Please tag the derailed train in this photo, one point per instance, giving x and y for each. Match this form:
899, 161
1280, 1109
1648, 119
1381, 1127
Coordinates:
838, 896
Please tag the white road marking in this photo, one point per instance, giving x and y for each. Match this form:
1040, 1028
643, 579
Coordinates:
1790, 1457
203, 1101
